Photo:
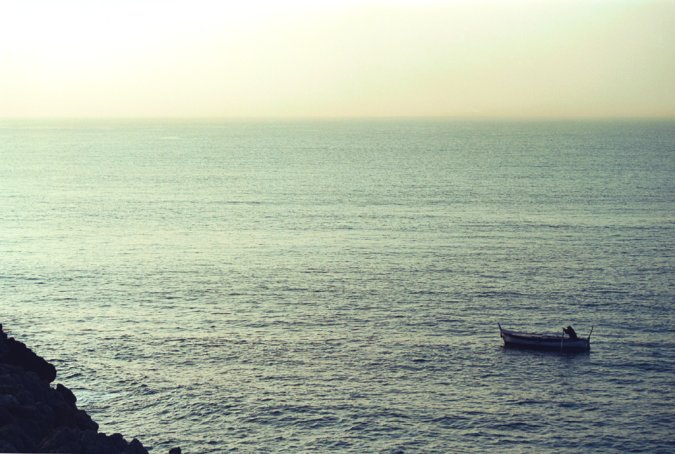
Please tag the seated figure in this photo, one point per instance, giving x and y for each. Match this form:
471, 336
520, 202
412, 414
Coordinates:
570, 332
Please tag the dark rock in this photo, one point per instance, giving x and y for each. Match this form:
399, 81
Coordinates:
61, 440
84, 421
5, 417
136, 447
35, 417
175, 450
66, 394
16, 353
118, 440
8, 401
15, 435
6, 446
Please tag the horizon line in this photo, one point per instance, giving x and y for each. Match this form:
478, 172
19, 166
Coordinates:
292, 118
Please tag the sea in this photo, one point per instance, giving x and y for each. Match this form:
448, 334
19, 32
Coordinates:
336, 285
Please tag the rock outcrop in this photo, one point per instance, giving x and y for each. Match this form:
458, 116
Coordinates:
35, 417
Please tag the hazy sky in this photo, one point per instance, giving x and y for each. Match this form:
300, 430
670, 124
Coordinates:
254, 58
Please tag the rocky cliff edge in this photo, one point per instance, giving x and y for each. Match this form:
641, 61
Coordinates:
38, 417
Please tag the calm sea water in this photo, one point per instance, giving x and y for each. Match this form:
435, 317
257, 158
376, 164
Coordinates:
336, 286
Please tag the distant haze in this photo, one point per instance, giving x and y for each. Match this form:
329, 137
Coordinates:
210, 58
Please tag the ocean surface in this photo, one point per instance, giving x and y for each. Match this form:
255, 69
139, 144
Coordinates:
335, 286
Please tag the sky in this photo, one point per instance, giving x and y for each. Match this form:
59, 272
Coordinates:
307, 59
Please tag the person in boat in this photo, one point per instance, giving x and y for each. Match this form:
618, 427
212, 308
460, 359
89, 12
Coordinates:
570, 332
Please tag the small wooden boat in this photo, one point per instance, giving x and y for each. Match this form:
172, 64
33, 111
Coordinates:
551, 342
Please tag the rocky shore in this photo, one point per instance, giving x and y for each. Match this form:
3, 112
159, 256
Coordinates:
38, 417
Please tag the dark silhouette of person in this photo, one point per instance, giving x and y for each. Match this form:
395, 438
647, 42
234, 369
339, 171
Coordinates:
570, 332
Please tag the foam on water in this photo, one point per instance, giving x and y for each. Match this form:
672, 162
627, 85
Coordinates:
322, 286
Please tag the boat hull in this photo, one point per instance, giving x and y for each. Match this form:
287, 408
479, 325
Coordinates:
513, 339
